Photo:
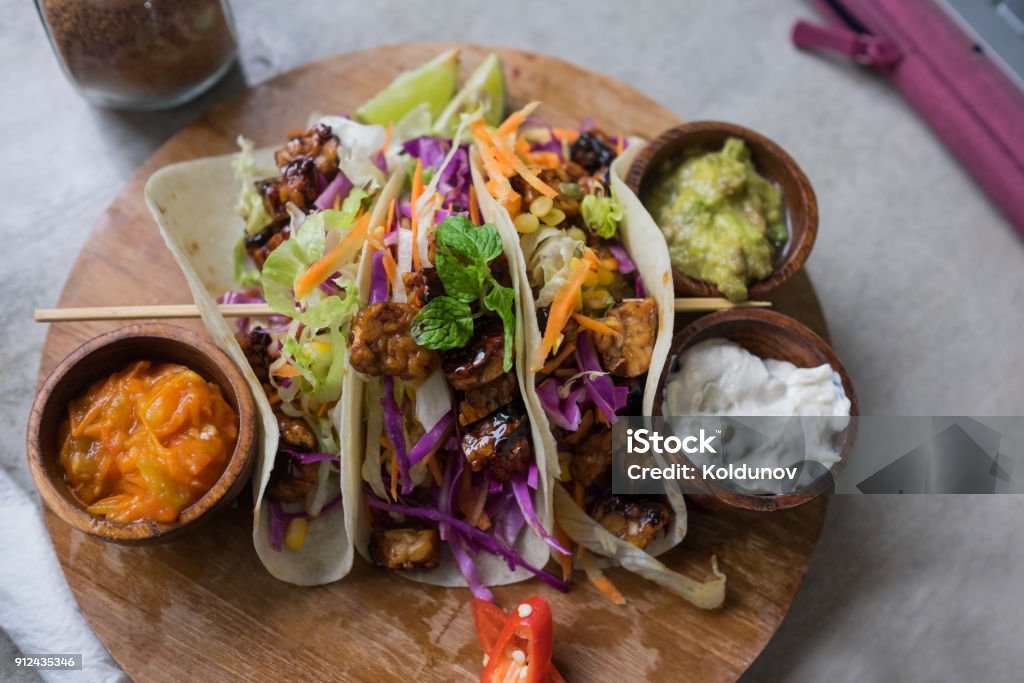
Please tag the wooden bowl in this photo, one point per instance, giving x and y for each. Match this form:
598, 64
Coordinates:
771, 162
766, 334
98, 358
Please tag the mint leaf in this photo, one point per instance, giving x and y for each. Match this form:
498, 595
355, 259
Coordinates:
501, 301
476, 243
444, 323
460, 281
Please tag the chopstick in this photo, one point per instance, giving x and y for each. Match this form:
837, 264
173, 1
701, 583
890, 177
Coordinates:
157, 312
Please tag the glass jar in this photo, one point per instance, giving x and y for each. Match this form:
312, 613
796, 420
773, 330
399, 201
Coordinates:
140, 54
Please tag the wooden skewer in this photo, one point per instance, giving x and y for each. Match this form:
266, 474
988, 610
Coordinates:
64, 315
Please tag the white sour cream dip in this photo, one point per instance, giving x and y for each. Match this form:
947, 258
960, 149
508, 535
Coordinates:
718, 377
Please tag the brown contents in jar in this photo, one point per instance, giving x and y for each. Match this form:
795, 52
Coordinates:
139, 49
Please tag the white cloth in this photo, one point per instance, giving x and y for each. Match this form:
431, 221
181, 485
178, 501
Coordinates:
37, 610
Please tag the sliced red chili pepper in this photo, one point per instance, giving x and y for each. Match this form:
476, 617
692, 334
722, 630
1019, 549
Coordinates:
524, 643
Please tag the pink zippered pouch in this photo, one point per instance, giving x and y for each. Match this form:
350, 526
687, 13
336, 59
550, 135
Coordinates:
970, 104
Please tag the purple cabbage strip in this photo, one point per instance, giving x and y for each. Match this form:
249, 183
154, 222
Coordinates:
564, 412
378, 279
491, 545
429, 441
430, 150
533, 476
626, 264
338, 188
396, 434
278, 524
521, 490
307, 458
602, 390
507, 518
468, 569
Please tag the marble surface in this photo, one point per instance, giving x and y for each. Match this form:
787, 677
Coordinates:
921, 278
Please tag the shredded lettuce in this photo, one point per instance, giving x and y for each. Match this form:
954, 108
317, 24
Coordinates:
595, 538
245, 275
602, 215
549, 253
250, 203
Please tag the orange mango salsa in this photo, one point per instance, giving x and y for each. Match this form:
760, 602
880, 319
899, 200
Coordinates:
146, 442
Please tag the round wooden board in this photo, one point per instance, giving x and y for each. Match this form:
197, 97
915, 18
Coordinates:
203, 608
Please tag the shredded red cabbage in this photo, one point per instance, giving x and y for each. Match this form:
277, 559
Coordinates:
396, 434
507, 518
521, 491
279, 519
626, 264
429, 441
602, 391
564, 412
307, 458
468, 569
533, 476
378, 279
336, 189
470, 532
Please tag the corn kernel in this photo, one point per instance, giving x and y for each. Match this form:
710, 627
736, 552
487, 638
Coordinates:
605, 277
597, 299
552, 217
295, 537
591, 280
541, 206
577, 234
527, 223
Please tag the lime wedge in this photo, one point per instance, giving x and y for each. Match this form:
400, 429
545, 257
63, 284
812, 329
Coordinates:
432, 84
485, 88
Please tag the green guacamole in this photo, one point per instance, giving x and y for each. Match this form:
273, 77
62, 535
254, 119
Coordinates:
722, 220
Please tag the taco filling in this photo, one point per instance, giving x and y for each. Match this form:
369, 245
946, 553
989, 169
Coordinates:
299, 253
450, 459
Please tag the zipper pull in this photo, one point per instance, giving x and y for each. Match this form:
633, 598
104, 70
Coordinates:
862, 48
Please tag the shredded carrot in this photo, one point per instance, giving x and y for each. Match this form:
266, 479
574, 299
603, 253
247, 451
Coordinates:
390, 268
522, 146
565, 134
324, 407
557, 361
417, 192
484, 523
391, 216
435, 469
565, 561
601, 582
586, 422
519, 167
496, 169
334, 259
513, 203
474, 207
595, 325
287, 371
516, 119
577, 492
545, 159
337, 202
393, 468
465, 488
561, 308
387, 141
473, 508
620, 144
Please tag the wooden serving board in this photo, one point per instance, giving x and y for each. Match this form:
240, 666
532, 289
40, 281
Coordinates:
203, 608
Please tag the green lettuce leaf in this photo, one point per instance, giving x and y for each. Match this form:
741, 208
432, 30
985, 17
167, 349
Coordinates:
602, 215
250, 203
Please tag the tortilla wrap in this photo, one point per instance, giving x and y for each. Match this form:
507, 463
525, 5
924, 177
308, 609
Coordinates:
193, 202
646, 245
492, 570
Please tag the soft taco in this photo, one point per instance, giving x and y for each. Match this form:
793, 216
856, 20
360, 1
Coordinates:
306, 208
454, 481
597, 299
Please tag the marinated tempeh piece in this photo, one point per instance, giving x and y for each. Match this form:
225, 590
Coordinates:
629, 354
380, 343
406, 549
636, 521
